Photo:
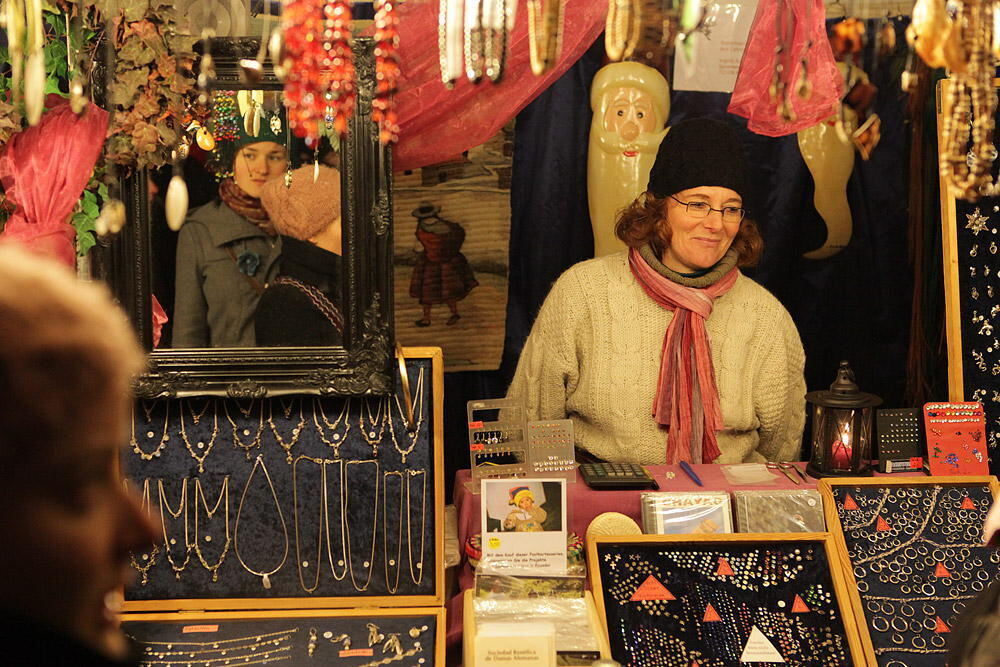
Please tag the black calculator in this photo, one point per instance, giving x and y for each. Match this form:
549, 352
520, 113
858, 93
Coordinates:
617, 476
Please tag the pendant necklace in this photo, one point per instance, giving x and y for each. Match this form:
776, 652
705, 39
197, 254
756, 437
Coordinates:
200, 445
371, 556
197, 416
149, 558
265, 576
336, 439
399, 525
255, 442
410, 474
413, 435
200, 501
182, 507
296, 432
372, 436
295, 522
147, 456
343, 520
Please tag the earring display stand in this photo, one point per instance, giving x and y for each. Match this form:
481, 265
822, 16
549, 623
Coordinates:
912, 552
278, 506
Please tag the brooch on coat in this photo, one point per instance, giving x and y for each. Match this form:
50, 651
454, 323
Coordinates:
248, 263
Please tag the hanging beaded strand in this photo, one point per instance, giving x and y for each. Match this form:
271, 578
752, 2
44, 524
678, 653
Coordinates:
386, 71
319, 66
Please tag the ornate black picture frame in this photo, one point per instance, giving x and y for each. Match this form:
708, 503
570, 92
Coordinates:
363, 364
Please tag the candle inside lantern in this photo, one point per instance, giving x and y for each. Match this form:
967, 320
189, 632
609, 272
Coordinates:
841, 451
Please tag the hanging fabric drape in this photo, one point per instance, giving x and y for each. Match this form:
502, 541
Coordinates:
791, 33
437, 124
44, 169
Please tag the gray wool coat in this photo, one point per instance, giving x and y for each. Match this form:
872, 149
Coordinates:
215, 302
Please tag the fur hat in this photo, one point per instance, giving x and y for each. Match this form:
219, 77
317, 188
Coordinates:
696, 152
306, 208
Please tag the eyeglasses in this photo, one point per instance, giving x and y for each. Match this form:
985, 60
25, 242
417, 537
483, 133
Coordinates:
700, 209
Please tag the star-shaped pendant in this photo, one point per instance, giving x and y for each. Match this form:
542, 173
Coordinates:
976, 221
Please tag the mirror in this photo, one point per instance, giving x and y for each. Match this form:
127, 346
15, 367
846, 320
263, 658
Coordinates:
280, 279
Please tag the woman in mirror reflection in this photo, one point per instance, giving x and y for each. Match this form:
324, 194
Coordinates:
665, 352
228, 250
301, 306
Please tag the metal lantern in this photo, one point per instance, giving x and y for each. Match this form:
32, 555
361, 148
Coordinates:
841, 428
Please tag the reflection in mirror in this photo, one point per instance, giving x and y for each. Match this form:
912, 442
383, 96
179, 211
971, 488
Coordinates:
258, 260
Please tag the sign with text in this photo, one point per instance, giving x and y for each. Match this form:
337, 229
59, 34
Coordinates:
524, 526
712, 60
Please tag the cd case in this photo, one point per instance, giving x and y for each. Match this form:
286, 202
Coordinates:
779, 511
682, 512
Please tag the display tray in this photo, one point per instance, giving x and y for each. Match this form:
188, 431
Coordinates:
352, 638
719, 600
574, 657
293, 502
912, 551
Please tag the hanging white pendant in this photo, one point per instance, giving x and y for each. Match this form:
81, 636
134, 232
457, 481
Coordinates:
34, 86
77, 100
176, 202
276, 47
111, 219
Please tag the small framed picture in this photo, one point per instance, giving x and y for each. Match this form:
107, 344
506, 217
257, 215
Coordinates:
524, 525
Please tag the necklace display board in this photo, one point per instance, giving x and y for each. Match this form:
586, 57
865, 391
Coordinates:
293, 502
913, 551
970, 239
719, 600
296, 638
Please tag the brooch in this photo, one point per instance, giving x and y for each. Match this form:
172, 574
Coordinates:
248, 263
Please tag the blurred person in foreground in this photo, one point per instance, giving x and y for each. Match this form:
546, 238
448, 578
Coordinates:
67, 356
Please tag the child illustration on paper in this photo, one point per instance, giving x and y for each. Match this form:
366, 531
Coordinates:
526, 517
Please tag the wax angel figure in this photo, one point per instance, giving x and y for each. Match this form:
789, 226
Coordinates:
228, 250
666, 352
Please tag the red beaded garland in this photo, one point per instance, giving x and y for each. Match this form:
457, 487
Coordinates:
319, 65
386, 71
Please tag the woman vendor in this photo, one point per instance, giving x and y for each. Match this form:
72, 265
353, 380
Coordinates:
666, 352
228, 249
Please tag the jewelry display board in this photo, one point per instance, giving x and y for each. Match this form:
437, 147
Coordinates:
913, 550
351, 638
293, 502
719, 600
971, 246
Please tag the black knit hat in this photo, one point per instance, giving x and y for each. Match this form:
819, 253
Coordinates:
697, 152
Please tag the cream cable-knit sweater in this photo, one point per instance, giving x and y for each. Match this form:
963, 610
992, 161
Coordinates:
594, 356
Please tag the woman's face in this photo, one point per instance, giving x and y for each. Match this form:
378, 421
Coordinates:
699, 243
258, 163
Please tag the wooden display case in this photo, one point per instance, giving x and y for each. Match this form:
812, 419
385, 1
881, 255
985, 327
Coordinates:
290, 487
730, 590
846, 497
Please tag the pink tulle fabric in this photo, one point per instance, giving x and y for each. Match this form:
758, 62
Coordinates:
437, 124
751, 95
44, 169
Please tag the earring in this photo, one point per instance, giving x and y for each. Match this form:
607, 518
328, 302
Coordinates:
311, 647
975, 250
288, 176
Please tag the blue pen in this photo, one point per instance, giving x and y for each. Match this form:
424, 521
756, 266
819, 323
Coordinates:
689, 471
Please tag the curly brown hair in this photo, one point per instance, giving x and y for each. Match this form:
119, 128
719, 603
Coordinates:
642, 222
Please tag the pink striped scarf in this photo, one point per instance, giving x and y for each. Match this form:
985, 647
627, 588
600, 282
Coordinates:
687, 399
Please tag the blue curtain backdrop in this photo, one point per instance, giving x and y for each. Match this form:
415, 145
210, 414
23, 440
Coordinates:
854, 305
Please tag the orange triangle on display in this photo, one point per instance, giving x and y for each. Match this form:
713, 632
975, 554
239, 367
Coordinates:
651, 589
882, 525
941, 572
711, 615
967, 504
799, 606
724, 570
940, 626
849, 503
